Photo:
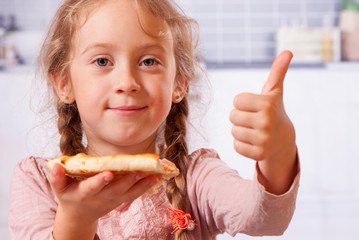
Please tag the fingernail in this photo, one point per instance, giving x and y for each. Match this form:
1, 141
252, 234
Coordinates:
106, 178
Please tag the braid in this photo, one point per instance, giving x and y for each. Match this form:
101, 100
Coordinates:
70, 129
177, 152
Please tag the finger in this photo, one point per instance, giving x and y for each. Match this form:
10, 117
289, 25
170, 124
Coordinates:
277, 73
95, 184
248, 150
141, 187
123, 183
249, 102
57, 178
242, 118
246, 135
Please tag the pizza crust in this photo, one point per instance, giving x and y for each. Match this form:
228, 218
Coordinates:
83, 166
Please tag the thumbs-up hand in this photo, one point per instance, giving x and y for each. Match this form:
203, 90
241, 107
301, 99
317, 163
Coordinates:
262, 130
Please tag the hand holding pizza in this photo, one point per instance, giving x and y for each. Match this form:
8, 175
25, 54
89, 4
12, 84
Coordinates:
82, 203
262, 130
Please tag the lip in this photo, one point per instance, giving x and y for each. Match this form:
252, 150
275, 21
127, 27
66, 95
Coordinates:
127, 110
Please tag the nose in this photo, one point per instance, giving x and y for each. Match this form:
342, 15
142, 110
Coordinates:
126, 80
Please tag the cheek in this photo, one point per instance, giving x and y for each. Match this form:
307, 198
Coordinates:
162, 97
85, 84
165, 91
87, 94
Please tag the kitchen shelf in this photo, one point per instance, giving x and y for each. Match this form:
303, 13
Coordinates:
349, 66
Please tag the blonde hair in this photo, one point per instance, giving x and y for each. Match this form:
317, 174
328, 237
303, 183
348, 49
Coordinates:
55, 58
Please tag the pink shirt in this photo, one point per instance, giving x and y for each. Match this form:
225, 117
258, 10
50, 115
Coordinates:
221, 201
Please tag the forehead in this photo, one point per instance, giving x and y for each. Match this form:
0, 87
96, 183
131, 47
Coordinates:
121, 20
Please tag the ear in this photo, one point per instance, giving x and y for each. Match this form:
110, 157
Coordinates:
63, 88
180, 89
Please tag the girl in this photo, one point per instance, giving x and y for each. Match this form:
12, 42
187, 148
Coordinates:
120, 71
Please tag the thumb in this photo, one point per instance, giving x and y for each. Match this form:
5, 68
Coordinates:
58, 178
277, 73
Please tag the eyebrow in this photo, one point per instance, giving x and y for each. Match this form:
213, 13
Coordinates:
109, 45
97, 45
154, 46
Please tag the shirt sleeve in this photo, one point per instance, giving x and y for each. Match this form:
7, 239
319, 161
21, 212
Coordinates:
32, 202
225, 202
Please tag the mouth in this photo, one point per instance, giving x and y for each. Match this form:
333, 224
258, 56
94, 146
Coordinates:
127, 110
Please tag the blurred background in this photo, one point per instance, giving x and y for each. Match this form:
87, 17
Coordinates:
239, 40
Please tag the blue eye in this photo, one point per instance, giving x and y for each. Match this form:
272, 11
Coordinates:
102, 62
149, 62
